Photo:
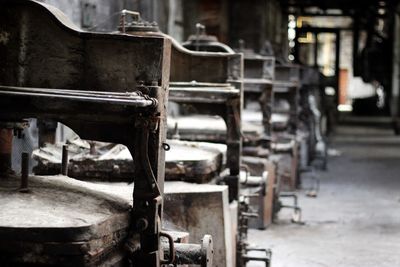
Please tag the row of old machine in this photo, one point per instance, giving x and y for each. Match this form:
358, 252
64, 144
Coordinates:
241, 129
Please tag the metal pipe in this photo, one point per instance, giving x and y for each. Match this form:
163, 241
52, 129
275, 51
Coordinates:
64, 161
137, 102
193, 254
24, 172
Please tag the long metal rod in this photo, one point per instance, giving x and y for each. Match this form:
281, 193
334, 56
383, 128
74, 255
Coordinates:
103, 100
64, 161
207, 90
24, 172
129, 95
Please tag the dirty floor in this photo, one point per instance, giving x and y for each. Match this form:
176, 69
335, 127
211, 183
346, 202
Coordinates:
355, 220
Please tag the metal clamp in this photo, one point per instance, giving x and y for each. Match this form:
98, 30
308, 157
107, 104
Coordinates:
171, 247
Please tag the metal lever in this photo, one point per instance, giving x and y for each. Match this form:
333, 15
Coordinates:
266, 259
64, 160
296, 217
249, 214
171, 249
200, 30
24, 173
135, 16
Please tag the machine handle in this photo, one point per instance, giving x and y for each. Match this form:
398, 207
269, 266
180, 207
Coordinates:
171, 249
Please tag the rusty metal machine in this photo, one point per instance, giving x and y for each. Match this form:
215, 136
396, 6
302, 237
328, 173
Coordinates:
261, 185
285, 135
302, 128
202, 83
205, 83
285, 120
262, 98
106, 87
255, 182
258, 93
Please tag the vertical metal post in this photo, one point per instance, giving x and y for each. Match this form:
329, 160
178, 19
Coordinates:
356, 40
316, 49
296, 51
64, 161
337, 66
24, 172
395, 97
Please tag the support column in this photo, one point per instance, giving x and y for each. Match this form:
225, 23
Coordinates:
337, 66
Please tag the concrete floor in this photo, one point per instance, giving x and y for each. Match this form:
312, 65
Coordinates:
355, 220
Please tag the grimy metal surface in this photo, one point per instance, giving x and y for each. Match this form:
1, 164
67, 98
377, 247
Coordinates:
92, 161
212, 74
218, 90
260, 85
106, 87
259, 74
286, 86
217, 76
203, 42
59, 222
212, 83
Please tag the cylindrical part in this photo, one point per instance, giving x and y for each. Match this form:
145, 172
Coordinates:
193, 254
64, 161
24, 170
186, 253
6, 138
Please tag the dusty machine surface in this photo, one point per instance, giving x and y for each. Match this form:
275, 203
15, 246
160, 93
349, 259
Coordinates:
191, 161
258, 84
285, 122
261, 150
106, 162
51, 70
299, 101
201, 41
260, 180
271, 112
253, 186
207, 87
61, 222
208, 84
195, 90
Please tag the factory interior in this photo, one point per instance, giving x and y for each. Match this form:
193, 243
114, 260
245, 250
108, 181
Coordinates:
212, 133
